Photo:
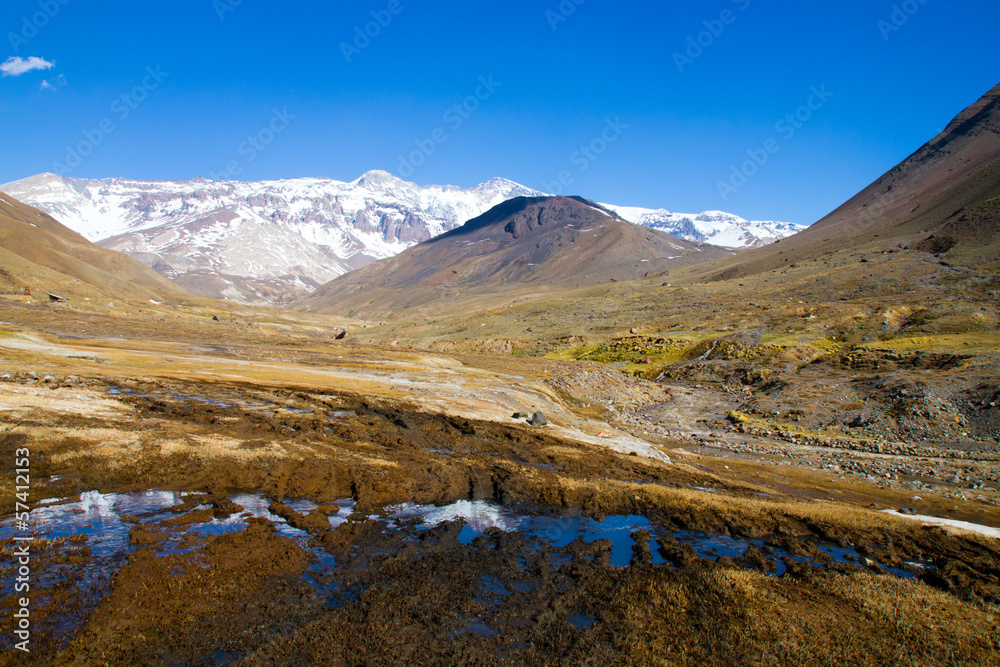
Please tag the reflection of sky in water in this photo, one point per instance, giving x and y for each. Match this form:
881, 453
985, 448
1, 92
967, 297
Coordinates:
259, 506
254, 506
479, 515
559, 531
96, 515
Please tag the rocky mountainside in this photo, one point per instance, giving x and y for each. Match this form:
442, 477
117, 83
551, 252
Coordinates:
953, 164
527, 243
269, 242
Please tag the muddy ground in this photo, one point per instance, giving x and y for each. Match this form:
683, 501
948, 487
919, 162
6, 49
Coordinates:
128, 416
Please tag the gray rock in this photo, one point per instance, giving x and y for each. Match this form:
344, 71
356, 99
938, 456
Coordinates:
538, 419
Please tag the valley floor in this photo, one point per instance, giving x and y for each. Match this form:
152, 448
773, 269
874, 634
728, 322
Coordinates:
253, 492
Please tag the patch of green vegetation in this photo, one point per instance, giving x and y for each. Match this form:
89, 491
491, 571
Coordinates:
610, 355
574, 353
644, 350
6, 334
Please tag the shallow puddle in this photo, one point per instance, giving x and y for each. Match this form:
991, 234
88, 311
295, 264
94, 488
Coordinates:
98, 516
555, 530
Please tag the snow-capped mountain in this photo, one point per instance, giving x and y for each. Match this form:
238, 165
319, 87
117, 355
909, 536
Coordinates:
274, 241
715, 227
259, 242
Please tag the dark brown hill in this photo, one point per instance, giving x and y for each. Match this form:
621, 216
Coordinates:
524, 244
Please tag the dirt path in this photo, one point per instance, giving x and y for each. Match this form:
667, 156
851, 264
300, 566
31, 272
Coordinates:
685, 413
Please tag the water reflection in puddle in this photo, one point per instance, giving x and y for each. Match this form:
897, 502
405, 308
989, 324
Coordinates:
557, 531
106, 520
98, 516
257, 506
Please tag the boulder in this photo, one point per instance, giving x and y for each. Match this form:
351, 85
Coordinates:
538, 419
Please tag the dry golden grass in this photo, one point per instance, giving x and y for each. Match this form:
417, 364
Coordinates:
721, 616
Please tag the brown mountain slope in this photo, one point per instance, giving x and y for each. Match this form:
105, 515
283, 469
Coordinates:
525, 245
39, 253
942, 199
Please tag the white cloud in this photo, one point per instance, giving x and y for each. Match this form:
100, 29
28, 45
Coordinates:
53, 85
16, 66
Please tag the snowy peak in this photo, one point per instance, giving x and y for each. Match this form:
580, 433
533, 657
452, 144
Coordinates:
719, 216
714, 227
381, 181
496, 187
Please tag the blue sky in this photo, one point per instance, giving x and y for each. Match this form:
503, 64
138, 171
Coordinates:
584, 96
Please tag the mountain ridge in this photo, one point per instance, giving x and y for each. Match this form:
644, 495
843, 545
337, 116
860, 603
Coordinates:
537, 244
302, 232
